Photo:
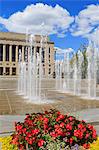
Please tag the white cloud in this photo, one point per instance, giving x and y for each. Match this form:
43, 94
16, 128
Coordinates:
63, 51
56, 20
87, 22
95, 36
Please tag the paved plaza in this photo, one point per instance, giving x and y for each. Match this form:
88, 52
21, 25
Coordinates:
13, 107
12, 103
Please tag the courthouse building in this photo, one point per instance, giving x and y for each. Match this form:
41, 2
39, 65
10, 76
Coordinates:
10, 46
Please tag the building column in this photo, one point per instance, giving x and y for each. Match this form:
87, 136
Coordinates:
16, 53
4, 70
34, 51
10, 70
46, 61
10, 58
10, 49
4, 53
17, 59
22, 53
4, 59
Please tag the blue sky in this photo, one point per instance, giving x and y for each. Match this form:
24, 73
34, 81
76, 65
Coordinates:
69, 40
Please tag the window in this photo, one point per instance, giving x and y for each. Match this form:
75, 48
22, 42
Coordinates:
1, 52
49, 51
43, 71
7, 70
13, 52
32, 50
37, 49
49, 59
38, 71
1, 70
13, 71
43, 56
7, 52
49, 70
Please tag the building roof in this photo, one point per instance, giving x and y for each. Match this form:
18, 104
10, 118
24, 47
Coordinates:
18, 37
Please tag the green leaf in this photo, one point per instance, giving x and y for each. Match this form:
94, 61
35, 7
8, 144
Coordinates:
74, 138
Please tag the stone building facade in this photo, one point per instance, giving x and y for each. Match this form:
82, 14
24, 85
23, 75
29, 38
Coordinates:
12, 43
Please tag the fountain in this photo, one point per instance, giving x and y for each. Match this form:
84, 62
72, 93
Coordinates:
75, 76
31, 71
63, 68
92, 70
79, 72
20, 73
73, 81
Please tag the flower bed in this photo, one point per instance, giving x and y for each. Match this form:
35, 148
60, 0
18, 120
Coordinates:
53, 131
6, 144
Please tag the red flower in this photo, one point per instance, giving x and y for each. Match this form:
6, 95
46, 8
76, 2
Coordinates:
77, 133
87, 136
71, 140
35, 131
15, 141
19, 127
30, 141
58, 113
94, 135
29, 122
24, 130
69, 127
45, 126
71, 118
66, 120
80, 126
40, 142
61, 116
59, 132
56, 126
62, 125
86, 146
21, 147
84, 129
90, 127
29, 134
27, 138
53, 134
45, 120
57, 119
27, 116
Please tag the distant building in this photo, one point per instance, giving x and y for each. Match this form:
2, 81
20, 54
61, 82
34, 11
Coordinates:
11, 43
